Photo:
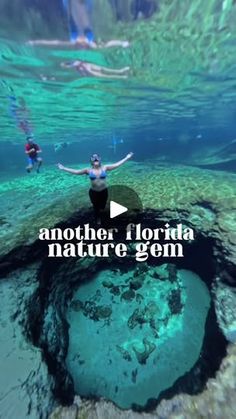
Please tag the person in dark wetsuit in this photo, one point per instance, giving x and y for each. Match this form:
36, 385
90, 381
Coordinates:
98, 192
86, 69
32, 150
144, 8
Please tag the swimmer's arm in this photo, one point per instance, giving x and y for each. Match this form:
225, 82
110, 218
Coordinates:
72, 171
119, 163
37, 149
29, 151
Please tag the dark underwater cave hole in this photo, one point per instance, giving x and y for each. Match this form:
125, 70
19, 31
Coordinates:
198, 258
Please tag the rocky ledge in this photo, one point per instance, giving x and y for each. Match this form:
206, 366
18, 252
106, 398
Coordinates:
217, 401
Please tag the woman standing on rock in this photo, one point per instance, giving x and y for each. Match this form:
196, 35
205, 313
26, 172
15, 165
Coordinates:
98, 192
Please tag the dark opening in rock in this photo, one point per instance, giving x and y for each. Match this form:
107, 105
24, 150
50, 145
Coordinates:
57, 302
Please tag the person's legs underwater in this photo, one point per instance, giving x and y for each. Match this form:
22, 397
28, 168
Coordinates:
79, 15
32, 161
30, 164
39, 161
99, 200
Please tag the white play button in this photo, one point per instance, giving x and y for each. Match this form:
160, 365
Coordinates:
116, 209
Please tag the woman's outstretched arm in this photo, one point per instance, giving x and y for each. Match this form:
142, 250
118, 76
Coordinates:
119, 163
73, 171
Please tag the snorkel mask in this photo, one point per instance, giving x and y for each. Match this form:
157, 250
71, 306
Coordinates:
30, 139
95, 157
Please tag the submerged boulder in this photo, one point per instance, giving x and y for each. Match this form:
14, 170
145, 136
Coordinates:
174, 301
142, 356
128, 295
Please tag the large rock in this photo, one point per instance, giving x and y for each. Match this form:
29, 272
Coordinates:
216, 402
25, 385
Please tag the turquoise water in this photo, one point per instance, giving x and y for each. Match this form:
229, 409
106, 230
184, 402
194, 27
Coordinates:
176, 112
129, 346
188, 101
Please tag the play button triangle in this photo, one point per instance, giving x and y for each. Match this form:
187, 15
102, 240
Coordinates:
116, 209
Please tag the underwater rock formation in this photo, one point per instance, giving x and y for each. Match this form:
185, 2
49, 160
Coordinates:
221, 156
136, 283
149, 347
143, 334
217, 401
125, 354
225, 306
172, 271
137, 318
128, 295
25, 384
191, 196
95, 312
174, 301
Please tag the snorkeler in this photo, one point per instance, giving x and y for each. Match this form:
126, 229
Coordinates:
32, 150
86, 69
98, 192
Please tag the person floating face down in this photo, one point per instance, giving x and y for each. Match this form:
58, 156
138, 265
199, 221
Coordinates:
98, 192
87, 69
32, 150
